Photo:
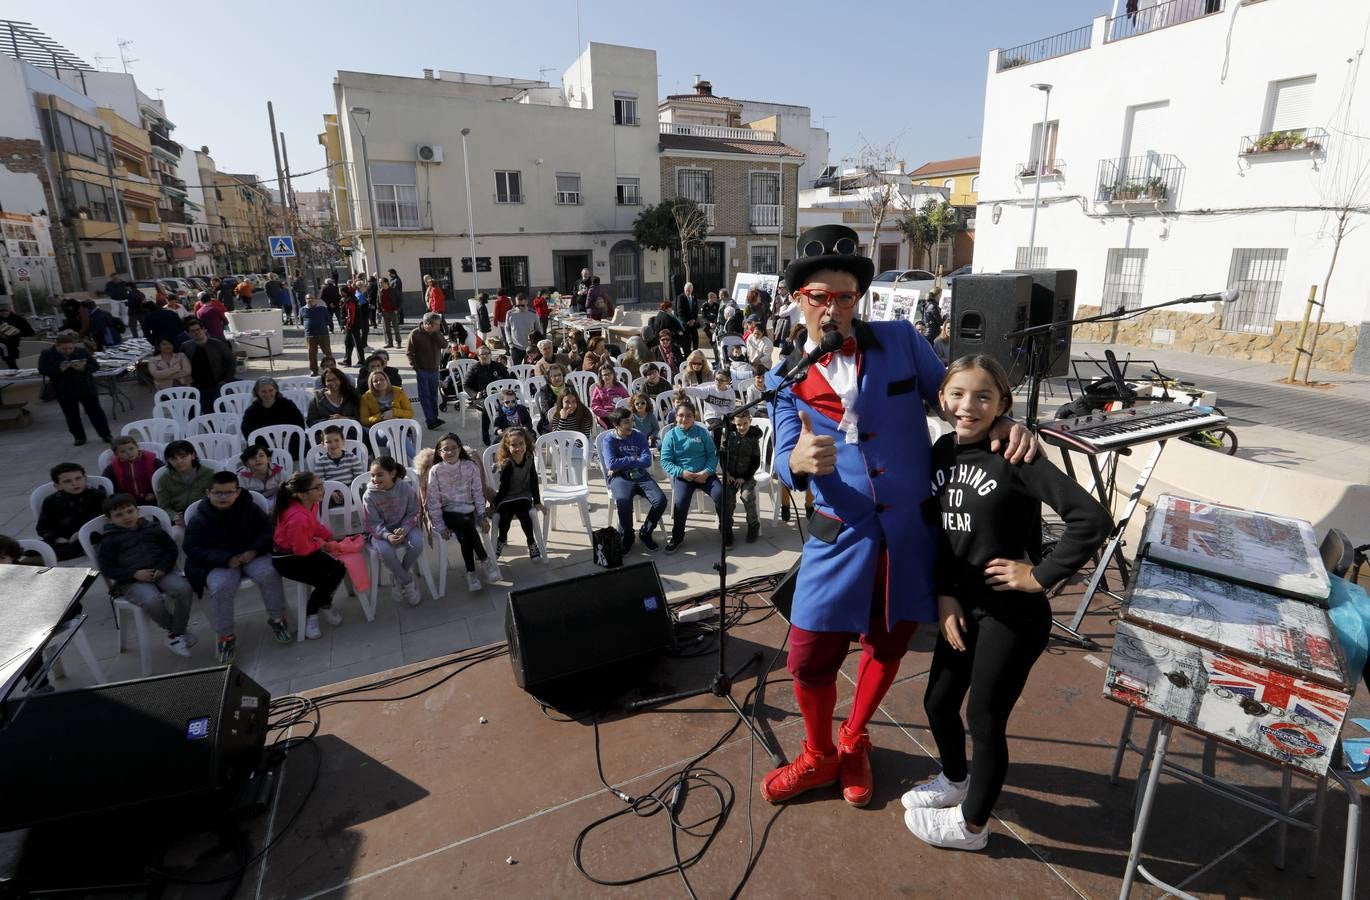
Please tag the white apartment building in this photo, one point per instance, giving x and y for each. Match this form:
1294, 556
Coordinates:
557, 173
1194, 146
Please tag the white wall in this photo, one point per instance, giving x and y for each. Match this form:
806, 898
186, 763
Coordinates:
796, 129
1216, 95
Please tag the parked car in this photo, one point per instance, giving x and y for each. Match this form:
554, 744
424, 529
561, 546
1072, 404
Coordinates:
201, 282
183, 290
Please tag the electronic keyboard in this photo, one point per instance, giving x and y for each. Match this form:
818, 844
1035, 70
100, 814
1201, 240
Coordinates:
1101, 432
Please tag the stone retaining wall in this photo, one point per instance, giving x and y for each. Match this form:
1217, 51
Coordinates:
1199, 333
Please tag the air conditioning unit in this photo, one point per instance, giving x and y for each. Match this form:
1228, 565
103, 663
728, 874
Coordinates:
429, 153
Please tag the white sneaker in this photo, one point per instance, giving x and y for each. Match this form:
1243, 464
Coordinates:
179, 645
411, 593
473, 582
311, 629
939, 793
945, 828
190, 639
330, 615
492, 572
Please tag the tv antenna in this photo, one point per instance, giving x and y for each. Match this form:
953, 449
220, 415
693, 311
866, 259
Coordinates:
543, 70
123, 55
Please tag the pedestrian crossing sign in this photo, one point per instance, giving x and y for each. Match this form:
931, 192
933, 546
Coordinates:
281, 245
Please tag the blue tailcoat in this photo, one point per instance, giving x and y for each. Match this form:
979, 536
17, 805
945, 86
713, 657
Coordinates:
878, 490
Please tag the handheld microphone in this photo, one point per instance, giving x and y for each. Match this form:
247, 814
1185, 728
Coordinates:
831, 342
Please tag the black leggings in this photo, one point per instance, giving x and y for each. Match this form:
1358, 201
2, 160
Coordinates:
1003, 641
318, 570
510, 510
463, 525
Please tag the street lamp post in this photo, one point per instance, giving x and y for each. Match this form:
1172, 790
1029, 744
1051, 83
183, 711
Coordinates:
1041, 164
470, 216
361, 117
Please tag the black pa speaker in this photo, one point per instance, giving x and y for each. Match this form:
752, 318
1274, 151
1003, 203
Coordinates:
118, 745
570, 629
1053, 300
985, 308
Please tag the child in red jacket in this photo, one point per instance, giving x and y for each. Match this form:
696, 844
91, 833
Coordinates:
131, 470
304, 549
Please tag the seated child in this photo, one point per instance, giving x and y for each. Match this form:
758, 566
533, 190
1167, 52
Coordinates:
183, 485
713, 400
131, 469
258, 473
759, 371
139, 559
64, 512
739, 365
12, 554
510, 413
334, 461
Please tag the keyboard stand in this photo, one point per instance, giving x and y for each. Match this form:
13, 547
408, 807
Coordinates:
1113, 548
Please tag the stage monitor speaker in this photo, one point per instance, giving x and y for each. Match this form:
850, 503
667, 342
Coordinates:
568, 630
984, 308
1053, 300
184, 735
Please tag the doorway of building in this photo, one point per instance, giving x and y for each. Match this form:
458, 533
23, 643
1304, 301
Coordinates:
625, 272
707, 269
566, 266
889, 257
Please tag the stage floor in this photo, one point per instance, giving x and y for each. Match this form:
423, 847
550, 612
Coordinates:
418, 798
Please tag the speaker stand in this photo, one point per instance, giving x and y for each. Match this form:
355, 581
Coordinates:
721, 685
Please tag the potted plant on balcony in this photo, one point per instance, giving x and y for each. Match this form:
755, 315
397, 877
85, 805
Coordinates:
1155, 188
1281, 140
1027, 171
1105, 193
1129, 191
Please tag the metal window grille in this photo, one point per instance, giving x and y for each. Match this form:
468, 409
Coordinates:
629, 193
1123, 278
1036, 260
440, 267
765, 188
695, 184
568, 189
764, 258
513, 274
508, 187
1258, 274
625, 111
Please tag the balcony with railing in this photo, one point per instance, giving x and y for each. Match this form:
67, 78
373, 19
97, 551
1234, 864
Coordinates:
715, 131
1045, 48
173, 183
1292, 142
1047, 168
765, 218
164, 143
1153, 178
1162, 15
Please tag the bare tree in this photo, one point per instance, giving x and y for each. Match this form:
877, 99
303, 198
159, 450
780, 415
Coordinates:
880, 192
691, 225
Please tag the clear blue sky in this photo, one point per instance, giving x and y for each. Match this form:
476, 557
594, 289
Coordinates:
883, 70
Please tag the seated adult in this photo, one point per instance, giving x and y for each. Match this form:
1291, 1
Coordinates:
383, 401
337, 399
211, 362
270, 408
549, 395
596, 354
548, 357
63, 512
667, 350
627, 463
169, 367
229, 539
478, 379
689, 456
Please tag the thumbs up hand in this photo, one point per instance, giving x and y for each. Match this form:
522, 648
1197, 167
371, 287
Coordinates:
813, 454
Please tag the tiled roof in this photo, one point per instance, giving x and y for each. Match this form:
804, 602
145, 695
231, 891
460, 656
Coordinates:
726, 145
948, 166
705, 98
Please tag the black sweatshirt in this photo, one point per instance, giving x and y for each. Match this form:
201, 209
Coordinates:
992, 509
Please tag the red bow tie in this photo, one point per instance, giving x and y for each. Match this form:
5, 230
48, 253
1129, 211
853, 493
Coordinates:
848, 348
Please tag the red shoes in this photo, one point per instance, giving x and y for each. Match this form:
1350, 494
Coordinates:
854, 766
811, 770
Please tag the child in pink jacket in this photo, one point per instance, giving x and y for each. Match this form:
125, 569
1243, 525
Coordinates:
604, 396
456, 506
304, 548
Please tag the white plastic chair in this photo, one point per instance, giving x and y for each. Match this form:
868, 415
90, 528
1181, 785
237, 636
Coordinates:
301, 398
236, 404
297, 383
243, 386
176, 393
42, 491
457, 371
665, 407
727, 343
352, 430
522, 371
563, 459
636, 384
179, 410
121, 606
341, 515
217, 446
765, 476
583, 383
623, 376
163, 431
397, 434
279, 437
80, 639
490, 472
107, 456
216, 423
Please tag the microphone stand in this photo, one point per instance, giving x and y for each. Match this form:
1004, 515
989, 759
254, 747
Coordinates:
721, 684
1037, 334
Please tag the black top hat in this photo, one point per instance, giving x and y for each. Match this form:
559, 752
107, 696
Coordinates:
829, 247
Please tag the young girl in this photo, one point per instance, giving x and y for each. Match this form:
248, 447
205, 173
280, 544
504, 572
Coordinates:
644, 417
456, 506
391, 514
258, 473
303, 548
510, 413
571, 415
131, 469
991, 581
518, 488
605, 395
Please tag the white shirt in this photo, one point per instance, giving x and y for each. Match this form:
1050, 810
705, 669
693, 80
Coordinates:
840, 370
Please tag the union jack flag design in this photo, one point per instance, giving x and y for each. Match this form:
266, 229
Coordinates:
1295, 697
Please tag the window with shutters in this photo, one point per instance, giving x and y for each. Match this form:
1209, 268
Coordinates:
628, 192
508, 187
396, 192
1123, 278
1036, 259
568, 188
1257, 275
1035, 149
1289, 104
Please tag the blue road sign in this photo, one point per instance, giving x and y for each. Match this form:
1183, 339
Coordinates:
281, 245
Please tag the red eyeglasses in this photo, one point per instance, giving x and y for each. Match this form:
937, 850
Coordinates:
844, 300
